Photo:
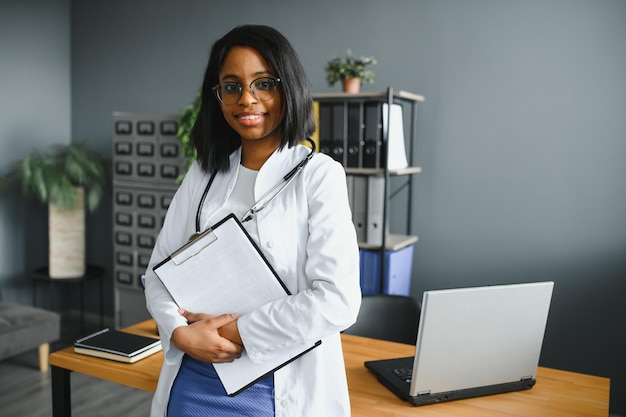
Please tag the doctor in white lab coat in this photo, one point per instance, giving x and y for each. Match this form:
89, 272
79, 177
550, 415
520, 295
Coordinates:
306, 233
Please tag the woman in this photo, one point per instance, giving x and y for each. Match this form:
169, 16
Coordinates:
256, 108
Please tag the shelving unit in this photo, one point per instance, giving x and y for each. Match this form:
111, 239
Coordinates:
345, 130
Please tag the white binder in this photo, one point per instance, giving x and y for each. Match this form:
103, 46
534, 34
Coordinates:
396, 158
223, 271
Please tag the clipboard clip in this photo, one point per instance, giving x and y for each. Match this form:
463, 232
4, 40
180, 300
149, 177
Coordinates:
197, 242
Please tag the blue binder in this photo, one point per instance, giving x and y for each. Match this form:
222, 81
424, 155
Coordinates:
397, 276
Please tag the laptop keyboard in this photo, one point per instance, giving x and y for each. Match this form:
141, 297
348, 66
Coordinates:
404, 373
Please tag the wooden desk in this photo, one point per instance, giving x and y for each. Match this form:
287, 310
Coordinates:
557, 393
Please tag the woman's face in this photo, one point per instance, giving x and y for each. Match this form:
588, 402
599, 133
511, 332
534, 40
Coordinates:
251, 118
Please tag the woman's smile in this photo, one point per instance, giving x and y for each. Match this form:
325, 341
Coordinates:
250, 118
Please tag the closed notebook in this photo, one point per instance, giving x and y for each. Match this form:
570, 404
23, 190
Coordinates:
117, 345
223, 271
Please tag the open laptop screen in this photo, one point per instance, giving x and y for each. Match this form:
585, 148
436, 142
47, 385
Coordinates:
480, 336
471, 342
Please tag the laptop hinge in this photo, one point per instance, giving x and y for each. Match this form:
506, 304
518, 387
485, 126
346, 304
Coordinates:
526, 378
426, 392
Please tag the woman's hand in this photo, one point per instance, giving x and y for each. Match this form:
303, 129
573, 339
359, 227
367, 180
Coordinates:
202, 339
229, 330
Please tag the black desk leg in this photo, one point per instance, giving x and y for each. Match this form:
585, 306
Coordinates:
61, 392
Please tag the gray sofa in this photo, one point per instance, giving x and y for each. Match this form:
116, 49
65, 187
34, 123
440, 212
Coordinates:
24, 328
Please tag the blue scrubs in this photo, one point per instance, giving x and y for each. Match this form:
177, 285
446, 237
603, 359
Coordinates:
198, 392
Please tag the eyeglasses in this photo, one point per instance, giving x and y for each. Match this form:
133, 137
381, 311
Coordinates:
263, 89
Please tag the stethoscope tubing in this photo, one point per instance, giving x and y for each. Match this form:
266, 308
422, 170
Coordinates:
263, 201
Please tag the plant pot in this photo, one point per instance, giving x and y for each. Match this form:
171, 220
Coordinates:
351, 85
66, 237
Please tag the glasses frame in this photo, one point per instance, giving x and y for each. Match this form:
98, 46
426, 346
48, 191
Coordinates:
218, 88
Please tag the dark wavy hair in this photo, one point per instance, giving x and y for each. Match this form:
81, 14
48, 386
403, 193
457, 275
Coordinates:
213, 138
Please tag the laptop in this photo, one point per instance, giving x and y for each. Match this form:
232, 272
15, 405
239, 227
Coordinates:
471, 342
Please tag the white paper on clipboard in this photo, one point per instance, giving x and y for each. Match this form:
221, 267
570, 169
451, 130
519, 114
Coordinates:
223, 271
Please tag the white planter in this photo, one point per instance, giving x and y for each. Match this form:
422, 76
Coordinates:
66, 234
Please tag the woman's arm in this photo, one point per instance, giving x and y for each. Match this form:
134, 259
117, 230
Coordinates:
206, 338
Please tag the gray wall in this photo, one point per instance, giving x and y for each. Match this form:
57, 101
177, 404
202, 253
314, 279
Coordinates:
520, 138
35, 112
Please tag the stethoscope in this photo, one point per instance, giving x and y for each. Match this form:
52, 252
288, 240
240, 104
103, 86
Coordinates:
267, 197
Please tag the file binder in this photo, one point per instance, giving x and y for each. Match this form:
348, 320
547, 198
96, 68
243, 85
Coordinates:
339, 133
350, 187
315, 137
394, 126
223, 271
359, 206
375, 210
396, 277
355, 136
373, 135
369, 265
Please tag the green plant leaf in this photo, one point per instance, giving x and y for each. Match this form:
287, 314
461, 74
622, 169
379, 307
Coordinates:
338, 69
52, 178
186, 120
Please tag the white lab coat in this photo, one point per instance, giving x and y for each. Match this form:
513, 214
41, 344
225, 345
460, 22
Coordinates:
308, 236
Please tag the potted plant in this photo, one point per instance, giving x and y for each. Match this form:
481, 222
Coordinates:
68, 179
351, 71
186, 120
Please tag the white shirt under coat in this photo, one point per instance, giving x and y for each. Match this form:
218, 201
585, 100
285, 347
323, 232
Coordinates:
308, 236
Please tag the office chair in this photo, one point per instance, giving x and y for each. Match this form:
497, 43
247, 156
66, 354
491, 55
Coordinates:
388, 317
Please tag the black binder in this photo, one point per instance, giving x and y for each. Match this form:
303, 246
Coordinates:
355, 135
339, 139
372, 151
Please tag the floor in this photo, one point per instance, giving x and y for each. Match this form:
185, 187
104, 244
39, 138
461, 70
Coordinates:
27, 392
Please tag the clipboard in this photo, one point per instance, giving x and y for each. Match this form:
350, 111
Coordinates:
223, 271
